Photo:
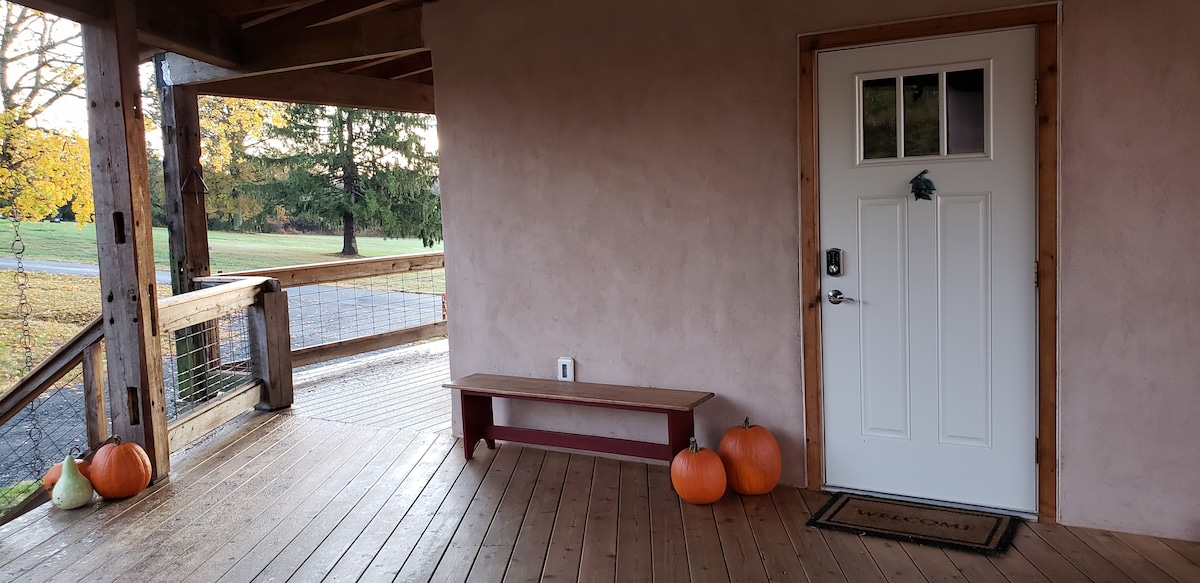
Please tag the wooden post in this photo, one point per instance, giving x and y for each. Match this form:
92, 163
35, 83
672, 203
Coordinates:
121, 188
271, 349
95, 403
187, 226
187, 222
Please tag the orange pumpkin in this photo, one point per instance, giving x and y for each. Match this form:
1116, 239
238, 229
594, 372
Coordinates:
55, 472
753, 463
698, 475
120, 470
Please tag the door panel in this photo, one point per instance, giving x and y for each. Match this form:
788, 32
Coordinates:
929, 384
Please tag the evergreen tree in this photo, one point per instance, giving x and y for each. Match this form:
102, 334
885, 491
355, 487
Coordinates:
357, 169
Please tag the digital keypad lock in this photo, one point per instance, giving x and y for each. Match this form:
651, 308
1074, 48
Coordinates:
833, 263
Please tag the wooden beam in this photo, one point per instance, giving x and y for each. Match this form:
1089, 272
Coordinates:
121, 189
183, 28
271, 342
402, 67
378, 34
324, 88
77, 10
95, 402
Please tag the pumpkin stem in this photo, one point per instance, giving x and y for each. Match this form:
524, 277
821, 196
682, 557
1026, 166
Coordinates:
746, 423
693, 446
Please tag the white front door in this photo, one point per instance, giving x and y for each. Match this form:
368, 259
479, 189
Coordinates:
930, 372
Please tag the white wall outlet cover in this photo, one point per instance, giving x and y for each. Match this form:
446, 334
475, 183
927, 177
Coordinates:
566, 369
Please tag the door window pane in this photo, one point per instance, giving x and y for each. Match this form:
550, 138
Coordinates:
965, 112
879, 118
922, 111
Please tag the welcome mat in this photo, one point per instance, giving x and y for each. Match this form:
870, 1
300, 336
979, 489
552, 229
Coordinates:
966, 530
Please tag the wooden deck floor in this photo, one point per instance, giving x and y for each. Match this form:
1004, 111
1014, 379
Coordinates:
286, 497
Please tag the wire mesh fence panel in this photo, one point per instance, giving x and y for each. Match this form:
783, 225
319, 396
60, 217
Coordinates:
202, 362
41, 435
354, 308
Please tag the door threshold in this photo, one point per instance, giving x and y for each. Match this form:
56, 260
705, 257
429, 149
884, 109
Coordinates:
1024, 514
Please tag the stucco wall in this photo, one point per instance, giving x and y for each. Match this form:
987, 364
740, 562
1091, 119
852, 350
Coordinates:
619, 185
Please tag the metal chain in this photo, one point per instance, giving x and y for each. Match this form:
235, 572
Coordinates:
24, 311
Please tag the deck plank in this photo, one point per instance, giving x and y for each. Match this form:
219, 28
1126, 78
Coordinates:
345, 513
306, 519
1015, 567
977, 568
737, 540
501, 537
1162, 555
668, 549
253, 508
43, 552
857, 564
933, 563
891, 558
634, 554
435, 473
1122, 556
778, 556
815, 556
566, 540
455, 563
1189, 550
598, 561
706, 563
126, 525
1088, 561
1043, 556
417, 544
533, 540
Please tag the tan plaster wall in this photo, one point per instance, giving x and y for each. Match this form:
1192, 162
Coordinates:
619, 185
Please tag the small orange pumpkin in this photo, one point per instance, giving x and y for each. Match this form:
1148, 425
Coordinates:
55, 472
120, 470
698, 475
753, 463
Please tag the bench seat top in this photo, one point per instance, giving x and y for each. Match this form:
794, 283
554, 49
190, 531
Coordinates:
593, 393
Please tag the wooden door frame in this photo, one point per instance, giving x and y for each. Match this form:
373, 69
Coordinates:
1045, 18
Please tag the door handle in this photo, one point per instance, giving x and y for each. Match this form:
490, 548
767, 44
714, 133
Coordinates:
836, 297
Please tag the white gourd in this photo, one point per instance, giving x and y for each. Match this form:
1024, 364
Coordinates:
73, 489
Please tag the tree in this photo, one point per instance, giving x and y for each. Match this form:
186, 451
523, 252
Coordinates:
40, 63
357, 168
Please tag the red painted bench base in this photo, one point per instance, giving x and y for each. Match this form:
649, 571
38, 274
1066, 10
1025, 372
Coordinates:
478, 424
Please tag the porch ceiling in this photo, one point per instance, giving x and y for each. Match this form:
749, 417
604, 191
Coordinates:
338, 52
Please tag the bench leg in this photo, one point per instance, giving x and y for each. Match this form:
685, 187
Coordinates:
680, 428
476, 418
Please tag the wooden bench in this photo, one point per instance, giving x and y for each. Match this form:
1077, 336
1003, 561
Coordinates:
477, 391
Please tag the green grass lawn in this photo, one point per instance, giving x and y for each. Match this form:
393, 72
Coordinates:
229, 251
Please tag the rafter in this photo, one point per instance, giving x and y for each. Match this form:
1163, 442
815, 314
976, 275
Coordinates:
378, 34
402, 67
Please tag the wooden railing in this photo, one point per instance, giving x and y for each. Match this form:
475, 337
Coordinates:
334, 272
268, 387
269, 384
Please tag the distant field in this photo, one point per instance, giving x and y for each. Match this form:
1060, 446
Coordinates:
228, 251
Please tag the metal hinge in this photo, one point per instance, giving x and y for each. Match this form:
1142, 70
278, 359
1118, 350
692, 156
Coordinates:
1035, 92
1037, 273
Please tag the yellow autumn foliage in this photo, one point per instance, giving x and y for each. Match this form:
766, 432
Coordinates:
42, 170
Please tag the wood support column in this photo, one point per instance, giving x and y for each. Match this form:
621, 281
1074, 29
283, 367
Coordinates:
121, 187
187, 221
272, 346
187, 227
